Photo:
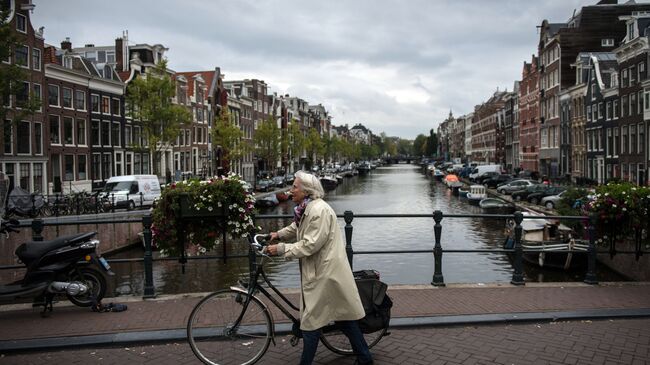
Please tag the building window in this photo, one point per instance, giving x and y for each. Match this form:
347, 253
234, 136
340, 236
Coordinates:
81, 132
641, 144
25, 176
600, 110
80, 99
37, 94
81, 167
38, 177
589, 113
22, 55
22, 95
68, 131
95, 169
23, 145
115, 134
136, 136
8, 137
94, 139
115, 106
607, 42
624, 140
615, 112
94, 103
106, 105
38, 138
55, 130
609, 142
53, 95
68, 167
633, 110
633, 143
127, 136
106, 133
624, 78
625, 105
617, 145
609, 110
36, 59
67, 98
107, 166
21, 23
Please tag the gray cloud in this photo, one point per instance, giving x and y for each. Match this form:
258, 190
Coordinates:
396, 66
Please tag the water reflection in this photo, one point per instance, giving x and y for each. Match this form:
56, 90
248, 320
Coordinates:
398, 189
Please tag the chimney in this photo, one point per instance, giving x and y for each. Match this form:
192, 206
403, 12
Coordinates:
66, 45
119, 54
50, 55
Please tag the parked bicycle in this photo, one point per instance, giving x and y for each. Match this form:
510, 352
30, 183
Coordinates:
234, 326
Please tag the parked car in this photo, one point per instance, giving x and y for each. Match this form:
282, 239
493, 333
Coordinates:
552, 201
497, 180
288, 179
523, 194
513, 186
481, 170
485, 176
263, 185
278, 181
537, 197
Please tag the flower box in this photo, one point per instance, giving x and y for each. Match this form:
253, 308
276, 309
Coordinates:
188, 209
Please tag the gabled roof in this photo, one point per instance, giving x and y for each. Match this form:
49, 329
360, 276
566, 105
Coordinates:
207, 76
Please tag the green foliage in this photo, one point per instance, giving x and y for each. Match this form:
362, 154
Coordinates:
267, 142
404, 147
419, 145
149, 98
12, 75
314, 145
227, 135
432, 144
225, 192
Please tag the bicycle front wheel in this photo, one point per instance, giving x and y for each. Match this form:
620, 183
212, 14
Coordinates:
215, 339
338, 343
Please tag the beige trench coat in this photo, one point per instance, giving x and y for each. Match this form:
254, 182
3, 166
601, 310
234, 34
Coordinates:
329, 291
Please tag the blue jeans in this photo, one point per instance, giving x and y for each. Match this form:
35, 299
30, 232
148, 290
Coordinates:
353, 333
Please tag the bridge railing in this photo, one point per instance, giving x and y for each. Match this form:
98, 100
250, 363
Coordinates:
437, 251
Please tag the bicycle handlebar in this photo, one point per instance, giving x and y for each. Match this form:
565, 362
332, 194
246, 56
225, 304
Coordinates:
7, 226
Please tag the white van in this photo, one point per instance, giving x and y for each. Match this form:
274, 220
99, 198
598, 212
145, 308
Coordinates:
482, 169
132, 191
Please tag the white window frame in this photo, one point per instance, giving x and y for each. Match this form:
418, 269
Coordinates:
77, 120
29, 54
40, 95
609, 145
58, 96
29, 134
118, 143
99, 103
36, 141
36, 65
11, 139
24, 18
616, 142
71, 107
99, 133
607, 42
119, 106
109, 133
50, 130
72, 130
74, 100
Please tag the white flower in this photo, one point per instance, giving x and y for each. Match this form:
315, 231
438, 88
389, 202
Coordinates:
210, 208
613, 205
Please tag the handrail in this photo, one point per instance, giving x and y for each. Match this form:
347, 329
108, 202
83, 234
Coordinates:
37, 226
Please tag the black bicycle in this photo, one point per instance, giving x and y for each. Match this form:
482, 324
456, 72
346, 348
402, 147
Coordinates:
233, 326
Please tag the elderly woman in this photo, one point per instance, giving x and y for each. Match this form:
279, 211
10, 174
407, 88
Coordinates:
329, 292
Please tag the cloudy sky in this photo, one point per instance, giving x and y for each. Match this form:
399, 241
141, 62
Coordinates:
396, 66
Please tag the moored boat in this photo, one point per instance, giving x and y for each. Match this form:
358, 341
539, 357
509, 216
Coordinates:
329, 182
493, 205
476, 194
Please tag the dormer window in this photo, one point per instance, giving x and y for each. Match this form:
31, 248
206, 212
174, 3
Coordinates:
607, 42
630, 31
21, 23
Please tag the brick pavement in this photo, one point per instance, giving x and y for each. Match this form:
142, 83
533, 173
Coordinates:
620, 341
579, 342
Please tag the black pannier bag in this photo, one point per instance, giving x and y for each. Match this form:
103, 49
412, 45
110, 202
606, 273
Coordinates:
376, 303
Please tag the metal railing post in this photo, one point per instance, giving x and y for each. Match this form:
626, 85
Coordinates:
348, 216
438, 279
113, 204
141, 200
590, 277
149, 289
518, 275
37, 229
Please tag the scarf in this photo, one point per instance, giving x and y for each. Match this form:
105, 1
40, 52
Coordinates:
299, 210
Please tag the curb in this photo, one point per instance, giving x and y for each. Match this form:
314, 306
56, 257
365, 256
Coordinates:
179, 335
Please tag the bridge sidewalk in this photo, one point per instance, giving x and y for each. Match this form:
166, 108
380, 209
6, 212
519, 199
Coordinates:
22, 328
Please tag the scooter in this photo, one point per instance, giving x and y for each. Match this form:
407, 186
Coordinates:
67, 266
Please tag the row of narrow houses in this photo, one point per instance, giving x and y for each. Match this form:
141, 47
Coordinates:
580, 111
83, 133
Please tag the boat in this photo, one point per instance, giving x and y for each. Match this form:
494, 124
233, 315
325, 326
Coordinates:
282, 196
549, 237
451, 179
476, 194
329, 182
267, 201
363, 168
462, 191
494, 205
438, 174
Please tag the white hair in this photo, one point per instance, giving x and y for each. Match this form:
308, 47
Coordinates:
310, 185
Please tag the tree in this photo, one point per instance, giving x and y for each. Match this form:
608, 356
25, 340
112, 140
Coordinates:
229, 137
419, 145
12, 76
432, 144
295, 140
314, 146
404, 147
267, 142
149, 98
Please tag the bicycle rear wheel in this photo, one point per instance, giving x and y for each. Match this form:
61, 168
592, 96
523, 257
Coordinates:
213, 338
338, 343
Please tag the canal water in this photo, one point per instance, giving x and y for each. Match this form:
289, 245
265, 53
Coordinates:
396, 189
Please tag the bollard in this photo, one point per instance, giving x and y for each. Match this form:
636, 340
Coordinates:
518, 275
348, 216
113, 203
141, 200
149, 289
33, 210
438, 279
590, 277
56, 205
37, 229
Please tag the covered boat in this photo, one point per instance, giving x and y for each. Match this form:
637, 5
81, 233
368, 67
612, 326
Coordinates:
329, 182
551, 238
493, 205
476, 194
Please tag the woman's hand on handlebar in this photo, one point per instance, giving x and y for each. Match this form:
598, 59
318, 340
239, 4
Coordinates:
274, 236
272, 250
